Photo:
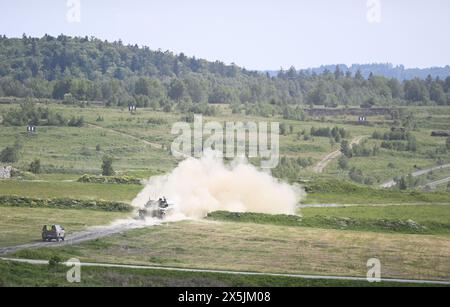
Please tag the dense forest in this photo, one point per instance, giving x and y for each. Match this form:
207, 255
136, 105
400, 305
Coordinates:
89, 69
386, 70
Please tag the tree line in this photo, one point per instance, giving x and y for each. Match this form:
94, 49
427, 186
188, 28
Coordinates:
75, 69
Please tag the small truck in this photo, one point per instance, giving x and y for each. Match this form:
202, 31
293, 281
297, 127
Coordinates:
53, 232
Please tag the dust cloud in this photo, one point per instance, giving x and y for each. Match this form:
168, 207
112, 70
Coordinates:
200, 186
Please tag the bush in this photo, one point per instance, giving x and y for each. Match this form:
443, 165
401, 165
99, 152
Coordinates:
377, 135
283, 129
54, 263
290, 168
346, 149
10, 154
157, 121
99, 205
107, 169
394, 135
110, 180
331, 222
343, 162
360, 150
336, 133
76, 122
188, 118
357, 175
401, 183
29, 114
22, 175
410, 145
294, 114
35, 166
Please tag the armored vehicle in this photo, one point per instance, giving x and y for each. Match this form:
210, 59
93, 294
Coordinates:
155, 209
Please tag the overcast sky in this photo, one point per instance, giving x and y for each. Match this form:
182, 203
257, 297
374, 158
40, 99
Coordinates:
256, 34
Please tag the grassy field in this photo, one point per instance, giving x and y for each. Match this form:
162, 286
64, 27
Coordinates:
332, 191
75, 190
24, 225
266, 248
330, 241
419, 213
126, 137
80, 150
434, 176
393, 219
25, 275
380, 166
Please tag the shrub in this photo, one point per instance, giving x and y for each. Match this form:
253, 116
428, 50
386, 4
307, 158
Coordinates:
62, 203
110, 180
360, 150
336, 133
410, 145
107, 169
28, 113
54, 263
290, 168
331, 222
10, 154
401, 183
346, 149
391, 165
86, 152
377, 135
76, 122
343, 162
156, 121
35, 166
358, 176
283, 129
188, 118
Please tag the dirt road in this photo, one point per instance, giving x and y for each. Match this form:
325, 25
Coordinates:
334, 155
139, 267
436, 183
83, 236
391, 183
153, 145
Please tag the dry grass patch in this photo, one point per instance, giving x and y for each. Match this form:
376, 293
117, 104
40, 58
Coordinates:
268, 248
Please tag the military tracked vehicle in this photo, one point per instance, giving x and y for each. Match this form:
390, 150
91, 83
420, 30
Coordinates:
155, 209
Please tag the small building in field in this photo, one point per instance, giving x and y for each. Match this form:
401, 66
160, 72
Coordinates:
5, 172
362, 119
31, 129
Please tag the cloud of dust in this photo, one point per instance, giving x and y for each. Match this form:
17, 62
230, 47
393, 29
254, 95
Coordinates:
200, 186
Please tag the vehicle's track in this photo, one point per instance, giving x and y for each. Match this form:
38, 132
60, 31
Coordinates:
79, 237
391, 183
153, 145
334, 155
434, 184
139, 267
